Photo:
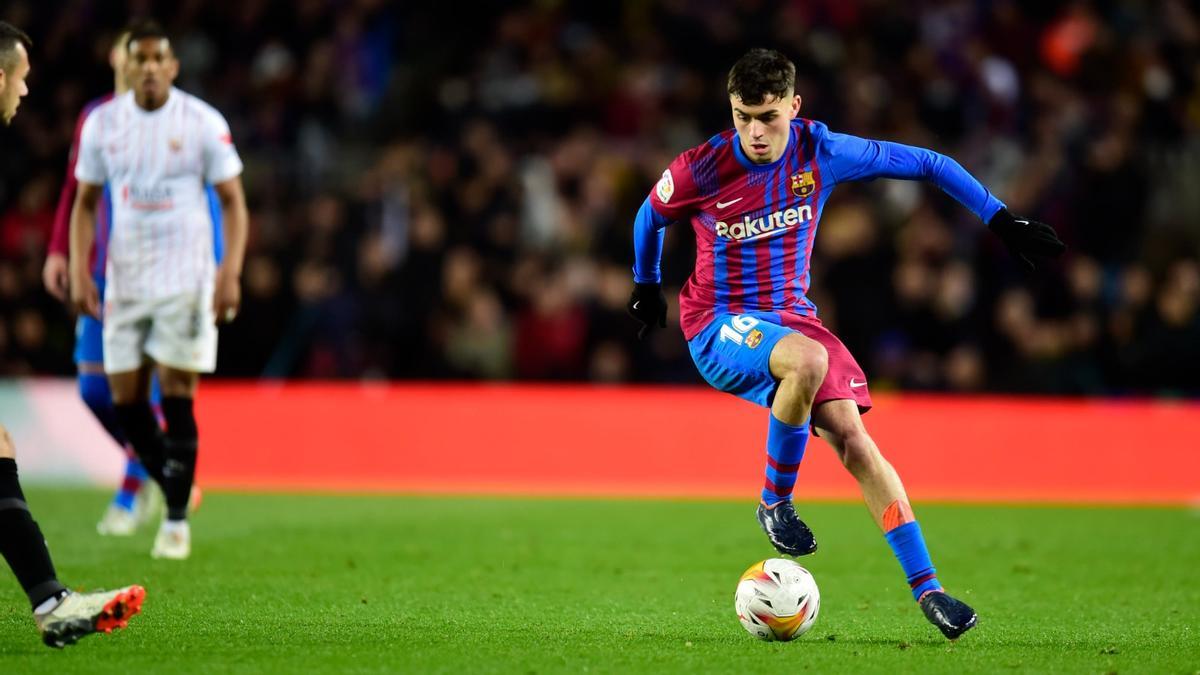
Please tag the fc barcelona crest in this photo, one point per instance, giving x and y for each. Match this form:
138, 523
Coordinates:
803, 184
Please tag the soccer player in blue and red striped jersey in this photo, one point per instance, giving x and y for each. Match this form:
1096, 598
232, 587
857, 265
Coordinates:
754, 195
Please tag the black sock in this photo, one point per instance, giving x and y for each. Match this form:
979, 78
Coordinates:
21, 541
140, 425
179, 470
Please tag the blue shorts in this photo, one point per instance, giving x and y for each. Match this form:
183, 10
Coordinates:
89, 340
733, 354
89, 334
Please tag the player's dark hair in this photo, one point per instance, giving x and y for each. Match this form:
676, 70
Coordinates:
10, 37
145, 28
762, 74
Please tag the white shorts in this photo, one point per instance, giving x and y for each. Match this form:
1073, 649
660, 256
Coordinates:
178, 331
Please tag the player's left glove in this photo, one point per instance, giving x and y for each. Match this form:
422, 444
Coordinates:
1025, 237
648, 304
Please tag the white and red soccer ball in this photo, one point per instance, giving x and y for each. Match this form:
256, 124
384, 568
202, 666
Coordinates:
777, 599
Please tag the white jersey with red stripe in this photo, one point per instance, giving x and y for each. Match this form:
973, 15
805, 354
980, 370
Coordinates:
156, 164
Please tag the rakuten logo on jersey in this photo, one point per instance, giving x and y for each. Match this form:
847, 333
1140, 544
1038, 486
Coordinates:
753, 228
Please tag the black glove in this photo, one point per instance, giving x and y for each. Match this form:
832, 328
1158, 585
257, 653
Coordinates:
1025, 237
648, 305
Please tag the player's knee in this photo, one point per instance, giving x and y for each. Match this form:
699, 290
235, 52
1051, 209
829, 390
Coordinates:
93, 389
177, 383
807, 364
859, 454
7, 449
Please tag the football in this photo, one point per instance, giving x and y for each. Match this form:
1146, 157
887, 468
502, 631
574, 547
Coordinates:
777, 599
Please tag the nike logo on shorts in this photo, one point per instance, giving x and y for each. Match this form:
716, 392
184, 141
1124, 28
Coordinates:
855, 385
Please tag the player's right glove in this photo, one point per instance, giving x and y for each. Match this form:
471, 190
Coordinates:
648, 304
1025, 237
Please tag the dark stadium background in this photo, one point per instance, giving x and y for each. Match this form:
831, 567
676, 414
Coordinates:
446, 190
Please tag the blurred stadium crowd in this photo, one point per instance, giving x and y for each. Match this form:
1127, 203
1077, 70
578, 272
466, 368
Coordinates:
440, 190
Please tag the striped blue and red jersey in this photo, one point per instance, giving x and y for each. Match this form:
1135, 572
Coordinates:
755, 224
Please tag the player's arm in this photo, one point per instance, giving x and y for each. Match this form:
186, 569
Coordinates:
91, 172
235, 227
856, 158
649, 230
674, 197
648, 304
85, 297
223, 170
55, 273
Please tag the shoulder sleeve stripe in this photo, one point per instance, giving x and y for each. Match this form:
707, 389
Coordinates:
704, 172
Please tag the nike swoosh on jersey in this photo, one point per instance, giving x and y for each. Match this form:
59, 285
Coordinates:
856, 385
731, 202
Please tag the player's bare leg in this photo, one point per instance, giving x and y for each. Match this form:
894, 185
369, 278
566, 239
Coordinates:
840, 424
799, 364
130, 386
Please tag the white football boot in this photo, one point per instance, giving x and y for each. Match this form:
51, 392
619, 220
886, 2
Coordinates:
80, 614
173, 541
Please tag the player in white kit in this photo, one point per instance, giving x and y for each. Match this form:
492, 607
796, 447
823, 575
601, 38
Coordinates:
156, 147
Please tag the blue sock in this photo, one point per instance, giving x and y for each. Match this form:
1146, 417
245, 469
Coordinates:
135, 475
785, 449
156, 400
909, 546
134, 469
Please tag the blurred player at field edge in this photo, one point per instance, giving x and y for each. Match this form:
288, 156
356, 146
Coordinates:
61, 616
136, 499
754, 195
164, 291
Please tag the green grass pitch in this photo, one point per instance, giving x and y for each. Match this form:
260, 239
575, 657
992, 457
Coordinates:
355, 584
